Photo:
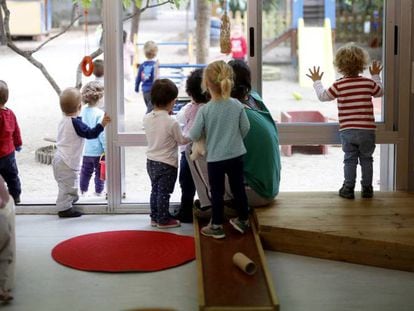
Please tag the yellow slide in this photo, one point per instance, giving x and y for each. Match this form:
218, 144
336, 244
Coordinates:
315, 49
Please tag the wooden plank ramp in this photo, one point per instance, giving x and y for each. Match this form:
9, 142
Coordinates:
377, 231
222, 285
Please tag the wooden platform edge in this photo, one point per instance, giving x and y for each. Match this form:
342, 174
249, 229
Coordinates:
341, 248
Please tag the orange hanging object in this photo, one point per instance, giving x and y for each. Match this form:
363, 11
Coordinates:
87, 66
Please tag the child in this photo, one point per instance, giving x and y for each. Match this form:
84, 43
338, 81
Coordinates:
238, 43
186, 117
70, 141
225, 124
10, 141
98, 72
147, 73
163, 135
356, 114
6, 252
91, 115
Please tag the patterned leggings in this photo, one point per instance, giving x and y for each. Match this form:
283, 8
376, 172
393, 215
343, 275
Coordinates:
163, 178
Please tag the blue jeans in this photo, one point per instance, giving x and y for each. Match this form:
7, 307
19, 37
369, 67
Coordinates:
358, 145
10, 173
163, 177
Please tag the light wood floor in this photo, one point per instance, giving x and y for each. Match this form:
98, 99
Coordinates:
377, 232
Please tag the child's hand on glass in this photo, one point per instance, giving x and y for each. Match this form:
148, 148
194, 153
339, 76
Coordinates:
375, 68
106, 119
314, 74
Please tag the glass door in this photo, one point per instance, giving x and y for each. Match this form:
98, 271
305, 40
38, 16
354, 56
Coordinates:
286, 38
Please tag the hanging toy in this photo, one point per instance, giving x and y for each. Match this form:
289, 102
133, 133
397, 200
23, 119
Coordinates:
225, 43
87, 61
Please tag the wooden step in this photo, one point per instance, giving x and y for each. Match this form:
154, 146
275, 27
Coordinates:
377, 231
222, 285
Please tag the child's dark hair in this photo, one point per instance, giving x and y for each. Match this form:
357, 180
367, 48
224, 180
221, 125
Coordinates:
193, 87
242, 79
4, 92
70, 100
98, 68
351, 60
163, 92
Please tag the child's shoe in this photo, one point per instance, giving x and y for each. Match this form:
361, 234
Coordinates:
5, 295
153, 223
239, 225
17, 200
69, 213
171, 223
367, 192
214, 231
347, 192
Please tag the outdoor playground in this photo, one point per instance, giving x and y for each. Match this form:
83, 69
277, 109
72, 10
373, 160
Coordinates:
32, 99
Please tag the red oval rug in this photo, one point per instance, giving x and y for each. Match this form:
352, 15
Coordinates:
123, 251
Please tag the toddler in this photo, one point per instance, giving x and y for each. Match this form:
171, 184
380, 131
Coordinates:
91, 115
225, 124
163, 135
10, 141
355, 112
98, 72
69, 146
186, 117
147, 73
238, 43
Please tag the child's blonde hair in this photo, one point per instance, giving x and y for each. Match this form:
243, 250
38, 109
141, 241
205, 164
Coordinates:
150, 49
92, 92
70, 100
218, 78
351, 60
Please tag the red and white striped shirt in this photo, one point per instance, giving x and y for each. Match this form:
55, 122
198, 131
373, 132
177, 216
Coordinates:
354, 98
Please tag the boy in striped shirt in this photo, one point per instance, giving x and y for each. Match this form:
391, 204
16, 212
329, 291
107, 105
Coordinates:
355, 113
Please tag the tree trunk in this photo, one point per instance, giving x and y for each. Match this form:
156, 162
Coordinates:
202, 37
2, 32
134, 22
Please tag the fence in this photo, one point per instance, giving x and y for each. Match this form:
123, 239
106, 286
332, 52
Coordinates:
359, 28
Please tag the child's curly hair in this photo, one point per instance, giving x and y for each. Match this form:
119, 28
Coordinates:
351, 60
92, 92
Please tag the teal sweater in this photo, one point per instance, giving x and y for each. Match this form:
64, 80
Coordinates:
262, 161
225, 124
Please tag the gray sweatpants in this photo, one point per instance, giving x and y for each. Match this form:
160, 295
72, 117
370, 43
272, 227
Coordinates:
68, 182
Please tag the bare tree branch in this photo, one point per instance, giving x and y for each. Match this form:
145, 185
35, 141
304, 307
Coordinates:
56, 35
147, 6
22, 53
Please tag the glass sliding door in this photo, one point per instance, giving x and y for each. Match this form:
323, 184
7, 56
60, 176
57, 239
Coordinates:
288, 37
